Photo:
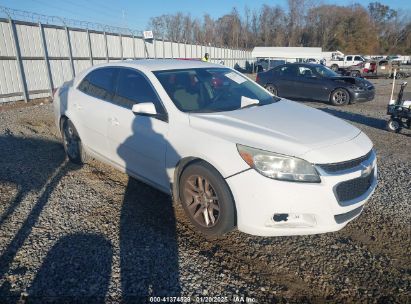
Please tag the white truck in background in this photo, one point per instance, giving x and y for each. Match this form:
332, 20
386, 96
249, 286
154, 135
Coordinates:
337, 63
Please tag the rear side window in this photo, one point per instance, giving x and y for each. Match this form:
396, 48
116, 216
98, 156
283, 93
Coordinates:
349, 58
288, 70
99, 83
132, 88
304, 71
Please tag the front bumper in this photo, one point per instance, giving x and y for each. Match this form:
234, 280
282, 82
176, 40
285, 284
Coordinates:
367, 95
312, 208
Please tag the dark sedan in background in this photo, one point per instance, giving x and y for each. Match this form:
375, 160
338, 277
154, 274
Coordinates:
316, 82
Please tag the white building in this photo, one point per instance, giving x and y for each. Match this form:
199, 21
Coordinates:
290, 54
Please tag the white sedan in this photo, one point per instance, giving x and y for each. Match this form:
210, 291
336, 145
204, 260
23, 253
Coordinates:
233, 154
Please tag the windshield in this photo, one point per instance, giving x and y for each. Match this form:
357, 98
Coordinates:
212, 90
324, 71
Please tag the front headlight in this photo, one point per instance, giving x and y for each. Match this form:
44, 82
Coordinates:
279, 166
356, 88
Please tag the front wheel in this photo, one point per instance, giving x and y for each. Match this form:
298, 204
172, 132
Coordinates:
340, 97
207, 200
394, 125
72, 143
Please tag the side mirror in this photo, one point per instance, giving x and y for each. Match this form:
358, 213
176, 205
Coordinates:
144, 108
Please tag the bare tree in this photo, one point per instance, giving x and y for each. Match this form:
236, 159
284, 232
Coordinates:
353, 28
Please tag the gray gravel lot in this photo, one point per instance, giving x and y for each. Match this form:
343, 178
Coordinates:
91, 234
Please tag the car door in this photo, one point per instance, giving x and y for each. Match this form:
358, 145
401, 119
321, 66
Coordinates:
91, 103
357, 60
286, 81
312, 86
137, 143
348, 61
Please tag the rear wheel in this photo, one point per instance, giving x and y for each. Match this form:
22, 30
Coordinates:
72, 143
206, 199
394, 125
340, 97
272, 89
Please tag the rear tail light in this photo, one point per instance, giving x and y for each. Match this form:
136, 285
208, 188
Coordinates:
257, 78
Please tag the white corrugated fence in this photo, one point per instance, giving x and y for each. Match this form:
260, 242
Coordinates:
36, 57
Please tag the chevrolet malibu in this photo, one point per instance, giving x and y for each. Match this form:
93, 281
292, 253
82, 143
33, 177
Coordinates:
229, 151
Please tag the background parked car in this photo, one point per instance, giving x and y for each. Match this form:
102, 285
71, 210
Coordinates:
317, 82
347, 61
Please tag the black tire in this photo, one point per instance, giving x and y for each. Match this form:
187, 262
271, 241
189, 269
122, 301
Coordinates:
72, 143
201, 202
355, 74
334, 67
272, 89
340, 97
394, 125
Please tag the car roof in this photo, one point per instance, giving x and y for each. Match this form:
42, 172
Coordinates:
300, 63
163, 64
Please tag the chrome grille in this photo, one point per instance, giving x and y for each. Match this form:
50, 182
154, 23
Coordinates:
346, 165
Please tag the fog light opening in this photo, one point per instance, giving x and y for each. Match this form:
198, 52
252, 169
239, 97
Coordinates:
292, 220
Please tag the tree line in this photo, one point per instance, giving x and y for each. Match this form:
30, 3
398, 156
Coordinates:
375, 29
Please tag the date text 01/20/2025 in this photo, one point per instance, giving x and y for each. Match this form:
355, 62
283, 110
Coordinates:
202, 299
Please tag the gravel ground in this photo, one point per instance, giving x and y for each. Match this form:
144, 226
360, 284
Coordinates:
91, 234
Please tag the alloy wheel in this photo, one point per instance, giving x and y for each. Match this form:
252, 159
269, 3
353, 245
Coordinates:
202, 201
340, 97
271, 89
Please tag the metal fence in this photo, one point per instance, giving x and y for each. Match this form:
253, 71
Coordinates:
36, 57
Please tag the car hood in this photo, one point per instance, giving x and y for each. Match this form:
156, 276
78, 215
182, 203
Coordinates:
284, 127
351, 81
